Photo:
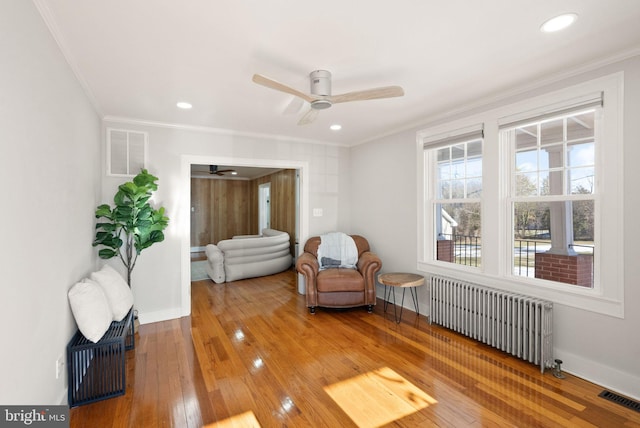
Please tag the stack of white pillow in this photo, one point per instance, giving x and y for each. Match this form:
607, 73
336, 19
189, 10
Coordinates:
98, 300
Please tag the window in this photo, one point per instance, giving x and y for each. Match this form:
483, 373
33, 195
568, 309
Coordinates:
553, 196
540, 182
456, 164
126, 152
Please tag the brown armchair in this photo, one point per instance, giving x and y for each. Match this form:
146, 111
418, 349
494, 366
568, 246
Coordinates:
339, 287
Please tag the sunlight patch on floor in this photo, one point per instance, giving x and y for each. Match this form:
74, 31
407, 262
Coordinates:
378, 397
244, 420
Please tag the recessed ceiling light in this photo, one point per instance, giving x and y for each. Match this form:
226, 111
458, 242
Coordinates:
558, 23
335, 127
184, 105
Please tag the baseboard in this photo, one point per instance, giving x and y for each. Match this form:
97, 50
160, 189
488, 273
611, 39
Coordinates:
608, 377
64, 399
197, 249
157, 316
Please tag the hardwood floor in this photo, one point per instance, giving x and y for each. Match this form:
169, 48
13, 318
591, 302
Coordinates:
251, 355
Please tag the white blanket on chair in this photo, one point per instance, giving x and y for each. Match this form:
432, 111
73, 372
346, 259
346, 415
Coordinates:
337, 249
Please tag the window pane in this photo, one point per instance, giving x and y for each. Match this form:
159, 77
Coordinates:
457, 189
580, 126
444, 190
457, 226
526, 184
526, 137
583, 226
443, 154
551, 132
552, 182
581, 154
527, 161
457, 169
444, 171
474, 149
581, 181
546, 160
459, 233
474, 188
474, 167
543, 249
457, 152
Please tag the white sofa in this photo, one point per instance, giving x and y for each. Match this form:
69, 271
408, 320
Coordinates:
249, 256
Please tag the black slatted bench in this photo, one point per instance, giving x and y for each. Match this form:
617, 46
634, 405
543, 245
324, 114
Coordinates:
97, 370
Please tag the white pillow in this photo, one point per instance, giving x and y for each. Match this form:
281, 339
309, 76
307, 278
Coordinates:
90, 309
118, 293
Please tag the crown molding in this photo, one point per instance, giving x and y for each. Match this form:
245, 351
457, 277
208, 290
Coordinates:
217, 131
50, 22
510, 93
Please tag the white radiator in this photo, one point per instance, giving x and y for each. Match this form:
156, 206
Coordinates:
514, 323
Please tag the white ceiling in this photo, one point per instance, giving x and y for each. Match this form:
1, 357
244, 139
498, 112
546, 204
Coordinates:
138, 58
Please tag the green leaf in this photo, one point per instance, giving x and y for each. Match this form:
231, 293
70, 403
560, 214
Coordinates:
128, 188
144, 179
133, 220
103, 210
119, 198
122, 213
156, 236
107, 253
109, 227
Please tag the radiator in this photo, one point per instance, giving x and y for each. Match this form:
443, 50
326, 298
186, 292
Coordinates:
517, 324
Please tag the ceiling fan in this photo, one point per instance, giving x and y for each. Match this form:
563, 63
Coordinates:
320, 97
213, 169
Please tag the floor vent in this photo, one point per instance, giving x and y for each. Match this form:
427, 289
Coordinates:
619, 399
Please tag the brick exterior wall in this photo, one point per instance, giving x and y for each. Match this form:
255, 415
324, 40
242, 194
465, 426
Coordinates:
445, 250
576, 270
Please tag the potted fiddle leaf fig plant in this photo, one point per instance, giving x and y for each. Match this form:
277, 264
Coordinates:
132, 224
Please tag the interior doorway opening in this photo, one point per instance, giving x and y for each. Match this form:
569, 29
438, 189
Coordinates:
264, 206
300, 170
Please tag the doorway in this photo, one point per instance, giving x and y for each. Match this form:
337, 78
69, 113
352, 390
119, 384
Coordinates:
187, 161
264, 207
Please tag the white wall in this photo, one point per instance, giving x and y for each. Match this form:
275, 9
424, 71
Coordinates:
600, 348
161, 278
49, 181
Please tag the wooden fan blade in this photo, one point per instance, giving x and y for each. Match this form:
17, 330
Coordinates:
294, 106
309, 117
369, 94
272, 84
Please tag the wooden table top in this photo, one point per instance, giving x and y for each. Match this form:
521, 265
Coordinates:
400, 279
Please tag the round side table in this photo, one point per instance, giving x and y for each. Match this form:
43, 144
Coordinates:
404, 281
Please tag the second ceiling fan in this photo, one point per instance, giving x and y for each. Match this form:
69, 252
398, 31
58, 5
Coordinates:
321, 98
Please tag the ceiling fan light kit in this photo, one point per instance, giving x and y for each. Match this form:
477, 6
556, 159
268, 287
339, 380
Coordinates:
320, 97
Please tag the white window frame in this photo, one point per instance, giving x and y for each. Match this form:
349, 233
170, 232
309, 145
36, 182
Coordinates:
431, 143
608, 297
508, 147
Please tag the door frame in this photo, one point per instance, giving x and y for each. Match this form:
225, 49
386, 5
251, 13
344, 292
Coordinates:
184, 207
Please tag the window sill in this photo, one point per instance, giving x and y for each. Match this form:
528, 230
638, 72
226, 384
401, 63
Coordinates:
575, 297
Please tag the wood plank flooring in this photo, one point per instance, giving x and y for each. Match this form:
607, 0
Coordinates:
251, 355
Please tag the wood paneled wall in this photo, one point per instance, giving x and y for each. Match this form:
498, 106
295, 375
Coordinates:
283, 203
219, 210
224, 208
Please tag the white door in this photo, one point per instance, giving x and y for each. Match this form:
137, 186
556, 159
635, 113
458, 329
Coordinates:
264, 206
